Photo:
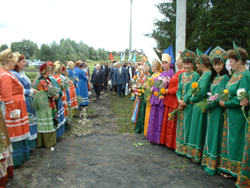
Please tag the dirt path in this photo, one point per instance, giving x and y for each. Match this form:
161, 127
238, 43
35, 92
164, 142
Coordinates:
109, 159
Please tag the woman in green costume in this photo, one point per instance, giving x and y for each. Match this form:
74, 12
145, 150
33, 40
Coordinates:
139, 127
243, 179
197, 133
234, 134
183, 96
46, 129
212, 148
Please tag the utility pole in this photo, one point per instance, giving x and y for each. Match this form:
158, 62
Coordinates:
181, 9
130, 30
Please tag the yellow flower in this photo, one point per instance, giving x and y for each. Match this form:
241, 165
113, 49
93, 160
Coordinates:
163, 91
226, 91
169, 114
140, 94
156, 93
194, 85
139, 90
143, 91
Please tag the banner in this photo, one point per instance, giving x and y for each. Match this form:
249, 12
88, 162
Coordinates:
111, 56
170, 52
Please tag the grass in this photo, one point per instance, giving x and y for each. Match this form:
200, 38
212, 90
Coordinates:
122, 108
90, 111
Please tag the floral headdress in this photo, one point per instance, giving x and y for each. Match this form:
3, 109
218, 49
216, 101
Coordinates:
236, 51
218, 52
199, 53
186, 54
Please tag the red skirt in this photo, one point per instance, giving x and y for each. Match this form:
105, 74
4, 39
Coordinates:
168, 130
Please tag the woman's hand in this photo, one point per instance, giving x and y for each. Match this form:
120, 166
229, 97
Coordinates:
34, 91
244, 102
222, 103
181, 103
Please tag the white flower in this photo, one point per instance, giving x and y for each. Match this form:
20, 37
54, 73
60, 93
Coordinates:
241, 93
209, 93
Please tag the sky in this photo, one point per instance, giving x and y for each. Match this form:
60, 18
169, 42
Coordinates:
98, 23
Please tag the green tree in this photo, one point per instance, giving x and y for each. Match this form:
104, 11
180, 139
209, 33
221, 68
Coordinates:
25, 47
209, 23
45, 53
3, 47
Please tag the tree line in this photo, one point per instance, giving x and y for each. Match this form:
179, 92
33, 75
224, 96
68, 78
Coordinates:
66, 50
208, 23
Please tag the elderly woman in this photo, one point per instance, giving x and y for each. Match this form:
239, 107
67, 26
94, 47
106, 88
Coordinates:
83, 85
28, 92
157, 101
14, 108
234, 127
46, 117
139, 124
168, 131
59, 104
72, 91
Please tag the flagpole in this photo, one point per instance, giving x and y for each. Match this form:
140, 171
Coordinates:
130, 30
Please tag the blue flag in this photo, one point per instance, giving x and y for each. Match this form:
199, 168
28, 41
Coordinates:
170, 52
134, 58
208, 50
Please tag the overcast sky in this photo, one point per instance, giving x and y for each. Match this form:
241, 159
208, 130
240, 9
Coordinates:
98, 23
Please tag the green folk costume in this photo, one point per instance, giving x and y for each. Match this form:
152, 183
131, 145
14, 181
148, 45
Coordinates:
234, 127
212, 148
139, 127
184, 120
243, 179
197, 132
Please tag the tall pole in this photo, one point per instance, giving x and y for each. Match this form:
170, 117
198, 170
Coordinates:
130, 30
181, 9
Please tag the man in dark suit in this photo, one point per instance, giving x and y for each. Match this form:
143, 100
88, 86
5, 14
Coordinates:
105, 68
97, 79
121, 78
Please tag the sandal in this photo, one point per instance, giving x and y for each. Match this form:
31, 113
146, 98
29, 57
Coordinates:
227, 176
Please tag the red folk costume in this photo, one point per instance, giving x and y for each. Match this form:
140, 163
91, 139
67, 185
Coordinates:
12, 96
168, 131
72, 94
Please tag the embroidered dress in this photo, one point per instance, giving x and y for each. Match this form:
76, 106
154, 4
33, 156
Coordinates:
243, 179
157, 111
234, 134
168, 131
148, 107
212, 147
139, 126
6, 162
11, 94
28, 93
184, 117
82, 88
46, 118
60, 109
198, 127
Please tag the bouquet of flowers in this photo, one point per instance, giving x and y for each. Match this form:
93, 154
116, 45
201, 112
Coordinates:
242, 94
141, 91
196, 89
224, 95
40, 101
147, 86
53, 91
172, 114
160, 84
64, 84
205, 102
134, 79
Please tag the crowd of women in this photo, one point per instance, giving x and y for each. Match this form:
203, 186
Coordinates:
36, 114
201, 114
